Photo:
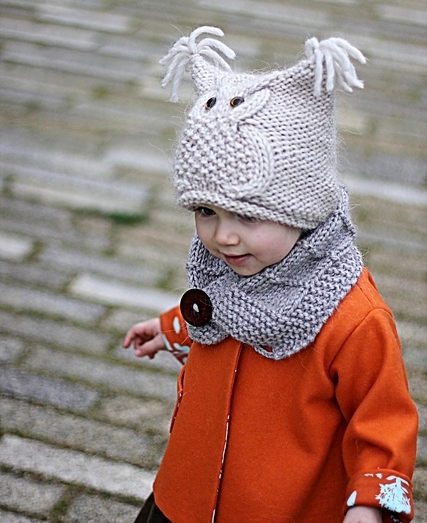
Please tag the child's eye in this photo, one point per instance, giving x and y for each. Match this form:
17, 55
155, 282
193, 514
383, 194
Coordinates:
205, 211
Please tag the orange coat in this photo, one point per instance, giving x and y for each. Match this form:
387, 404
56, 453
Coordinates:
254, 440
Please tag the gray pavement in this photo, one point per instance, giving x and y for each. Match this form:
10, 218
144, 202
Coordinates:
90, 239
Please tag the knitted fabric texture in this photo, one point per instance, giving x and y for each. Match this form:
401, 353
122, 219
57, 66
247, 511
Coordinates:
260, 145
283, 307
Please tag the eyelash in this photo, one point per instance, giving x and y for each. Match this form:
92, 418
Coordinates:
207, 212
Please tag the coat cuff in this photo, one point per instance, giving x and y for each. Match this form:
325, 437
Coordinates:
384, 489
174, 334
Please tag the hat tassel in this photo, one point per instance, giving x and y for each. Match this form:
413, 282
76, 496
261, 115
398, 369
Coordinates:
186, 48
333, 57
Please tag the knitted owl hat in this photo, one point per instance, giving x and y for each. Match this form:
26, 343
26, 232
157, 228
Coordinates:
260, 145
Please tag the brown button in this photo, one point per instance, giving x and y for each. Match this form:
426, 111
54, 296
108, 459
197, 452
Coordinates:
196, 307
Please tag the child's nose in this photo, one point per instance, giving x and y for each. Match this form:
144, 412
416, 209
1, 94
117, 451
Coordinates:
225, 234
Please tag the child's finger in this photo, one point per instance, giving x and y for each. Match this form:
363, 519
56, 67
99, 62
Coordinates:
132, 335
128, 339
148, 348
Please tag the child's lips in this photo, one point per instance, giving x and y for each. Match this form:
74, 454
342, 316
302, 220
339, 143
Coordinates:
236, 259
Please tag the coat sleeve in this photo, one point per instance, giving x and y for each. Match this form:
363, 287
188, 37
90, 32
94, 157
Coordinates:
379, 446
174, 333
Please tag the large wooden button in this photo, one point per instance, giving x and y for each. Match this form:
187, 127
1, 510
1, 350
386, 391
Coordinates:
196, 307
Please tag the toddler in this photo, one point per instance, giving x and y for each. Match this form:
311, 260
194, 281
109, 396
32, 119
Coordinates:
293, 402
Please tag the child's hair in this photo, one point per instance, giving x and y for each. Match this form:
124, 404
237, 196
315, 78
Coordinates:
260, 145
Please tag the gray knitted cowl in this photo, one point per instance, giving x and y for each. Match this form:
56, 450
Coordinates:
283, 307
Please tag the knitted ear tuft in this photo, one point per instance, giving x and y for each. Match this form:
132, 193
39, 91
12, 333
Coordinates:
185, 49
332, 56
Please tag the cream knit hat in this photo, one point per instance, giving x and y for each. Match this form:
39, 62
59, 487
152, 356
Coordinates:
260, 145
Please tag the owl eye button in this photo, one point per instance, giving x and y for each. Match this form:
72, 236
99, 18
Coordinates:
210, 103
237, 100
196, 307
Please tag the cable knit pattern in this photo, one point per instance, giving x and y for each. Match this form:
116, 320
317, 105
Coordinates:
272, 155
283, 307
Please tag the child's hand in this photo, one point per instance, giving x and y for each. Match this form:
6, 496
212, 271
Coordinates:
145, 337
363, 515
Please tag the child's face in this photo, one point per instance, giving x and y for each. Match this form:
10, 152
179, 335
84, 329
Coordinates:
247, 246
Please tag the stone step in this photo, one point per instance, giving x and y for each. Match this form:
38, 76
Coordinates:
83, 16
10, 517
53, 332
381, 237
16, 148
47, 34
276, 12
410, 266
11, 349
109, 375
412, 15
74, 261
49, 304
392, 192
34, 274
73, 61
73, 467
398, 56
151, 415
400, 168
71, 431
402, 295
19, 147
27, 495
51, 232
66, 87
118, 293
46, 390
15, 247
88, 507
75, 192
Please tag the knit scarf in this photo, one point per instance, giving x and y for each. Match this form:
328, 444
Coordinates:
281, 309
